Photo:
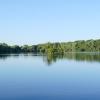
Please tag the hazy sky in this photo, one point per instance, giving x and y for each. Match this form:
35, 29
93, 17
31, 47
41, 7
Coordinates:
39, 21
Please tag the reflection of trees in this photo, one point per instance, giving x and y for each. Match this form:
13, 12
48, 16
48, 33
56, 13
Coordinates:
89, 57
51, 58
83, 56
5, 56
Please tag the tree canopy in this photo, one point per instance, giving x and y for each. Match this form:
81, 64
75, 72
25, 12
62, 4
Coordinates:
54, 48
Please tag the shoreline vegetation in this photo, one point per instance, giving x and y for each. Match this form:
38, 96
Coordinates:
53, 48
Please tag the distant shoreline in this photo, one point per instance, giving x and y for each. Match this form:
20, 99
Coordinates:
54, 48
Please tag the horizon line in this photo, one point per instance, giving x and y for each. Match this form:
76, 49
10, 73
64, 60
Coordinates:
50, 42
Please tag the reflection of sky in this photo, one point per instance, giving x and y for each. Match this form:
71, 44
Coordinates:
25, 77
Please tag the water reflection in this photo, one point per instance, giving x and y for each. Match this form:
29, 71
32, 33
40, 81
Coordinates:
5, 56
50, 59
88, 57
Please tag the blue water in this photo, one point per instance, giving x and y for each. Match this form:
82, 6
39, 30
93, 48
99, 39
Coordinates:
31, 77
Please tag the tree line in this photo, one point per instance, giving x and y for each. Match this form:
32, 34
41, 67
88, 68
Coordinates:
54, 48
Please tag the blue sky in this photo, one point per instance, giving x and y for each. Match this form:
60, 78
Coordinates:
40, 21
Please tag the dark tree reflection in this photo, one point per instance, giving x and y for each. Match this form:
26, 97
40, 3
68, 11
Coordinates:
52, 58
88, 57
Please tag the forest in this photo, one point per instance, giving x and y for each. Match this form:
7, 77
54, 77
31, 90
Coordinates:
54, 48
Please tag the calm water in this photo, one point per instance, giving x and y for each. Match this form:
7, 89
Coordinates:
34, 77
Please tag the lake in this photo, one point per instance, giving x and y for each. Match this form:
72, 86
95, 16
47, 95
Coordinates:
73, 76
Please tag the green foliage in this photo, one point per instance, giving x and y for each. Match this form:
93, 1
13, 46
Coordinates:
54, 48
